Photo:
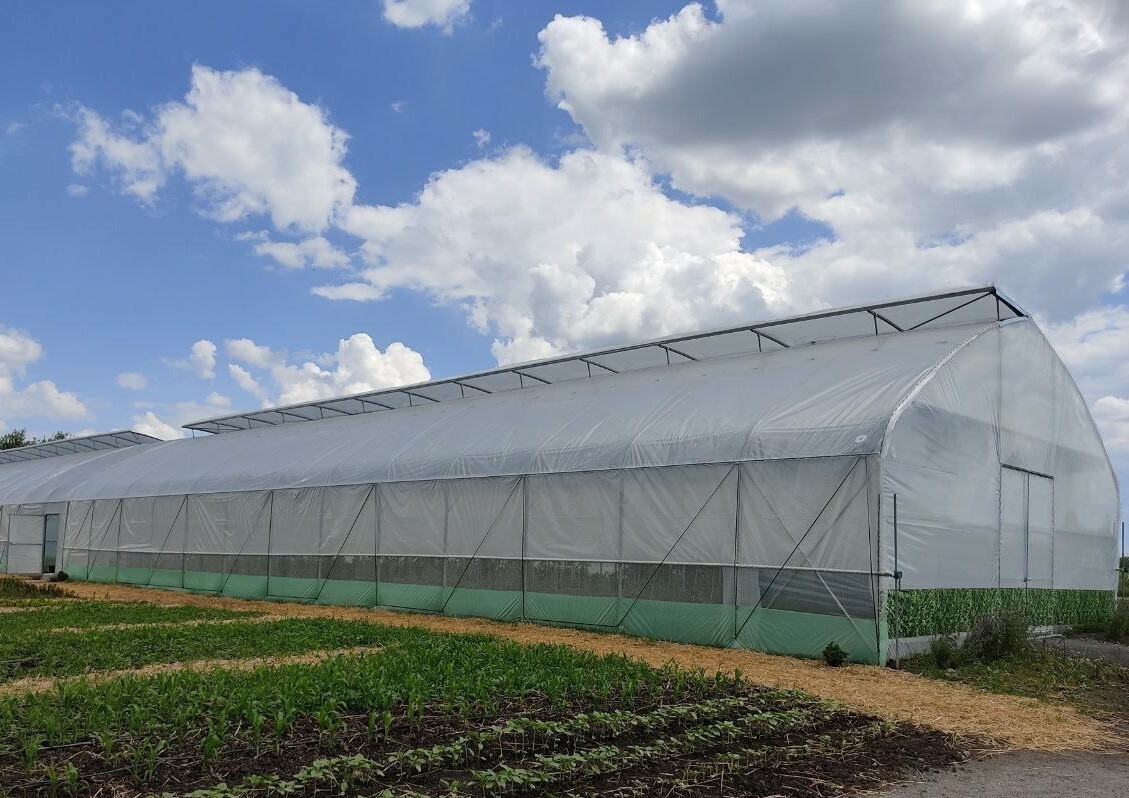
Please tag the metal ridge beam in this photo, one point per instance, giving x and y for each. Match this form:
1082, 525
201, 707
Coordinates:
102, 441
668, 343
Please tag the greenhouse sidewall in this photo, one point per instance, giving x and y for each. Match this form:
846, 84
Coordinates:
1005, 499
775, 555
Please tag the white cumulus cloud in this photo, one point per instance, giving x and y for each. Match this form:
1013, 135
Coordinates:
202, 359
941, 142
132, 381
41, 399
549, 257
316, 251
148, 423
165, 421
356, 366
246, 144
417, 13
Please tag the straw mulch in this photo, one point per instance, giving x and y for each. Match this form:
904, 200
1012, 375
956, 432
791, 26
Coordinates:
1010, 721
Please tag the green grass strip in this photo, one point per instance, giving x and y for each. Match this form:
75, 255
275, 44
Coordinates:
47, 653
98, 613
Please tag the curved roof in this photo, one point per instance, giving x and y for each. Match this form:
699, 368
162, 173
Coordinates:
960, 306
825, 399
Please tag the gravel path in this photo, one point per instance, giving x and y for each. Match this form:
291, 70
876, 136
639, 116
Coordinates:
1117, 653
1026, 774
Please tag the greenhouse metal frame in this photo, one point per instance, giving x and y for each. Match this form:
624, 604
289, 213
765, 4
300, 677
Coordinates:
779, 486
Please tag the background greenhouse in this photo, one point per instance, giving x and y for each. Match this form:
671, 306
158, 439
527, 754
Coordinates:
852, 476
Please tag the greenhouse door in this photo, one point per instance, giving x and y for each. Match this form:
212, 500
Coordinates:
1026, 528
25, 545
50, 542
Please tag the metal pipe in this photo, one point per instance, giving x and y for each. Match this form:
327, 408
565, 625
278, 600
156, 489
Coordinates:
897, 594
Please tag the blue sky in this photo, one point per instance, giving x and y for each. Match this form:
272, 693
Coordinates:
484, 181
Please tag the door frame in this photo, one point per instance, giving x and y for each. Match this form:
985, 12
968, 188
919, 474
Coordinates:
1027, 474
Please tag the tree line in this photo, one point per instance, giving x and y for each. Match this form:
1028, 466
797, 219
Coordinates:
16, 438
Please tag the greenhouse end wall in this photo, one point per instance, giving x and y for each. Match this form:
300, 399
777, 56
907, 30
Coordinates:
1006, 500
772, 555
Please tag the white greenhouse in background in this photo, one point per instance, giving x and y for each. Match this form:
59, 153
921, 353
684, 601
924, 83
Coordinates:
756, 487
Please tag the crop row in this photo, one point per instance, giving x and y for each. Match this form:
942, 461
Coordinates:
65, 614
49, 653
709, 724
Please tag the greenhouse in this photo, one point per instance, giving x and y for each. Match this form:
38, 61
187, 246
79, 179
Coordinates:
863, 475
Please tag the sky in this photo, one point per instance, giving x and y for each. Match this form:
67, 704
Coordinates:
208, 207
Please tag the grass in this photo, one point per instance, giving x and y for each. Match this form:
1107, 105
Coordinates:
50, 653
60, 615
1040, 675
997, 656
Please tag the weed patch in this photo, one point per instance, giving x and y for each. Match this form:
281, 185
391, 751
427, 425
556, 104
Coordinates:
22, 589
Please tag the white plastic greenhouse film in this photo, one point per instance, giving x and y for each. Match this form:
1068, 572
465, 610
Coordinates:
573, 516
105, 524
25, 544
412, 518
1013, 527
1002, 399
484, 517
296, 520
1040, 526
806, 513
833, 398
76, 538
679, 515
349, 522
3, 539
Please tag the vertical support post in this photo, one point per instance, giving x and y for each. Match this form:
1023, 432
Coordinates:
270, 535
184, 544
524, 525
737, 555
377, 546
619, 554
897, 594
118, 544
446, 538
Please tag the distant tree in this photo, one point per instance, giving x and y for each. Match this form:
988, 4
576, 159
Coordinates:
14, 439
19, 437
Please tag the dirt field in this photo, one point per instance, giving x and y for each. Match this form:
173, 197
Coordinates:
1013, 722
